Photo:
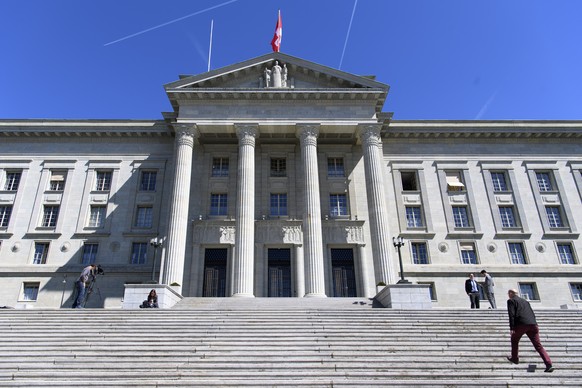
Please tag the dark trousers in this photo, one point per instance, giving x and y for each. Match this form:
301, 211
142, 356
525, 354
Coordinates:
533, 333
474, 297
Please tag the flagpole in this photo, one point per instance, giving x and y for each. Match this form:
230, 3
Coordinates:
210, 48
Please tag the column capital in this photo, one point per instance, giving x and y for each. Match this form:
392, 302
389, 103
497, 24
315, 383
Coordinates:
369, 132
307, 132
186, 134
246, 130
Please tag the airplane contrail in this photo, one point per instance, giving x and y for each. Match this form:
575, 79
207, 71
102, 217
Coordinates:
170, 22
348, 34
486, 106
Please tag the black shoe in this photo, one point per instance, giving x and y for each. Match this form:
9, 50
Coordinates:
549, 369
512, 360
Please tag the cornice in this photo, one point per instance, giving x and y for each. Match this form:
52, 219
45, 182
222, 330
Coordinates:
482, 129
84, 128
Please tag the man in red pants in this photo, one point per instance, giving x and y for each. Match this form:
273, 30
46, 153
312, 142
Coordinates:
522, 320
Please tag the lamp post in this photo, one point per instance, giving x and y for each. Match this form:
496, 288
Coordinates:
155, 243
399, 243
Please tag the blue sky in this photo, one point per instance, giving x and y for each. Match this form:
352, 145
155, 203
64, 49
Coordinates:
443, 59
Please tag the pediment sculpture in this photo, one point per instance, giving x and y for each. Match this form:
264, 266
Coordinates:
276, 77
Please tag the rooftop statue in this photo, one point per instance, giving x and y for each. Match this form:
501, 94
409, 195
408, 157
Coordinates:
275, 77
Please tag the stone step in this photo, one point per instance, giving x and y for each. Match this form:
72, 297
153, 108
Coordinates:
280, 345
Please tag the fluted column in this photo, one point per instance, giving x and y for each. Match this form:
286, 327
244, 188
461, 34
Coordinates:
313, 242
377, 208
243, 262
173, 268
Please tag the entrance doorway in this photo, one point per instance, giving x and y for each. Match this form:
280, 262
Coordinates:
343, 273
215, 272
279, 272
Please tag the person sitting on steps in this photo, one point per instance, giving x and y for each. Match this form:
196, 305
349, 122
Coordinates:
151, 302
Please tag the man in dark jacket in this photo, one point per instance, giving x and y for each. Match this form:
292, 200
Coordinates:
522, 320
472, 289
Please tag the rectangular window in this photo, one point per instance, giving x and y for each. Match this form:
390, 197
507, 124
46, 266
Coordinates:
89, 253
5, 213
338, 205
413, 217
12, 180
148, 181
576, 289
516, 253
468, 253
139, 253
278, 167
554, 217
419, 253
528, 291
97, 216
544, 181
103, 181
566, 254
218, 204
499, 181
454, 181
335, 167
144, 217
507, 217
219, 167
409, 182
460, 217
30, 291
431, 290
57, 182
279, 204
50, 215
40, 253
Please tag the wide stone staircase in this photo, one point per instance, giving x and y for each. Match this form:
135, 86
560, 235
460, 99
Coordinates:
260, 342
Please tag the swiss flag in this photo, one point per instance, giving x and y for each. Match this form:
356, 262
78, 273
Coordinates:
276, 42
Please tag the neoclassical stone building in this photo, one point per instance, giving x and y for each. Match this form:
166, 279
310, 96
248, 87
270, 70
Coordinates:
279, 177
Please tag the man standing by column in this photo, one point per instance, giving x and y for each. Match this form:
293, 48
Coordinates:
489, 293
522, 320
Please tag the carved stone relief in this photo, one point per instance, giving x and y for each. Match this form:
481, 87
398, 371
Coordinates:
227, 234
354, 235
292, 234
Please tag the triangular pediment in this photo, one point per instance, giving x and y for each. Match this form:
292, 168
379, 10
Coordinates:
275, 71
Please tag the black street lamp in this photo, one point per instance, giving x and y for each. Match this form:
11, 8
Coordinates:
155, 243
399, 243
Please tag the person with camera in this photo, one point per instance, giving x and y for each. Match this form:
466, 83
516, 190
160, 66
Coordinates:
86, 276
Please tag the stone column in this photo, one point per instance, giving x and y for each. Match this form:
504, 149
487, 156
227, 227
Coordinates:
364, 271
378, 210
173, 268
243, 263
312, 234
299, 271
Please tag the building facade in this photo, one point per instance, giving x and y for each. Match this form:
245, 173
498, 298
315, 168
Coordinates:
278, 177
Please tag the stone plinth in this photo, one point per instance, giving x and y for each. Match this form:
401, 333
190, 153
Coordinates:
135, 294
405, 296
